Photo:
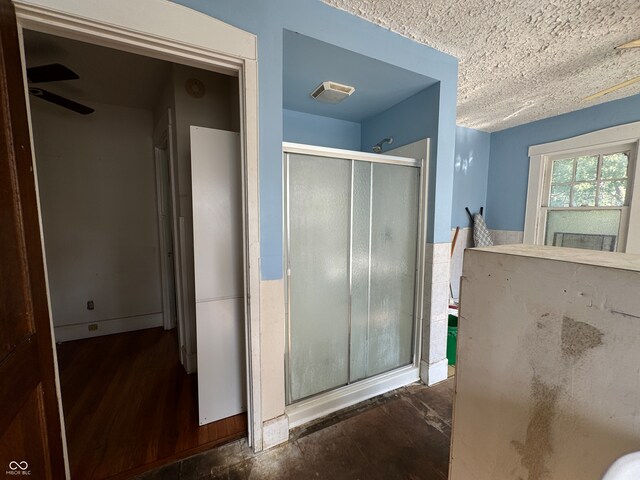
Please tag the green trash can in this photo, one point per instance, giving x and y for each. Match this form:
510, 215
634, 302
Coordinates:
452, 339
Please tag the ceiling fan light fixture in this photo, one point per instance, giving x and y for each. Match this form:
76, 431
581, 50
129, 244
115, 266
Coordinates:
632, 44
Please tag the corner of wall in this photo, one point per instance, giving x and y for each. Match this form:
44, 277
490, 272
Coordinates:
272, 347
433, 364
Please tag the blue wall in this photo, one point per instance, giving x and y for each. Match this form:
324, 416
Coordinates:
311, 129
409, 121
471, 169
268, 19
509, 162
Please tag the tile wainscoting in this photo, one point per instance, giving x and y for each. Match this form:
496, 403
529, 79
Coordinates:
433, 364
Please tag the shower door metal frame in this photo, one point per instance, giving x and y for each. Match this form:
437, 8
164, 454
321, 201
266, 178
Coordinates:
322, 403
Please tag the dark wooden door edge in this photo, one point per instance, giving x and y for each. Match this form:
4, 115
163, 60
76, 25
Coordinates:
24, 308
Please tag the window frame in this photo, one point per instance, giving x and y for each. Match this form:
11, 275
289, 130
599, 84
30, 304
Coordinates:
623, 138
600, 152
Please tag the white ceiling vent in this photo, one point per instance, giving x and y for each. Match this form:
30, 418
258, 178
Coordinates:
332, 92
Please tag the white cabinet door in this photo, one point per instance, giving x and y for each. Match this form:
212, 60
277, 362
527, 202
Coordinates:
217, 236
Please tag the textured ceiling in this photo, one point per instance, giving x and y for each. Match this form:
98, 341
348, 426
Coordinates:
520, 60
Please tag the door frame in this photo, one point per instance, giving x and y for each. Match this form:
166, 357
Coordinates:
171, 32
165, 244
163, 141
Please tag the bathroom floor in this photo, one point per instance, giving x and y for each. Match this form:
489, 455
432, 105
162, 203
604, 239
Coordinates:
404, 434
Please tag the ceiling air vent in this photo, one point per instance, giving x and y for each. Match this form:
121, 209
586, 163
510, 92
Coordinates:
332, 92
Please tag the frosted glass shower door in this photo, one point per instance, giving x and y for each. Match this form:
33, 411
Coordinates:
383, 264
394, 243
318, 243
352, 229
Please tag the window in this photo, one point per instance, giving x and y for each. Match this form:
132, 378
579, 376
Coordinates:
585, 202
581, 191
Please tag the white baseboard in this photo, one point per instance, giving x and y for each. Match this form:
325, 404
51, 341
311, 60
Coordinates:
66, 333
316, 407
435, 372
275, 431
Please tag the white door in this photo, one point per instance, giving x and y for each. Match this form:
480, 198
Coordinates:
217, 233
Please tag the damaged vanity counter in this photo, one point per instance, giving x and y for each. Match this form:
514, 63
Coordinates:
548, 374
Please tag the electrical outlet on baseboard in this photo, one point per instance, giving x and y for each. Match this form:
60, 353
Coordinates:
93, 327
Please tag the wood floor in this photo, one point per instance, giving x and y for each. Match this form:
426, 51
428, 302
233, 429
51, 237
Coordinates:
129, 405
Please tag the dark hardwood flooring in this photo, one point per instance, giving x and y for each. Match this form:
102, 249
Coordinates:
402, 435
130, 406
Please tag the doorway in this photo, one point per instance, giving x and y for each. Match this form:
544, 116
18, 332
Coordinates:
116, 204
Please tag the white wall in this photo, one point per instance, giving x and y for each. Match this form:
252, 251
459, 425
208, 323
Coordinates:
219, 109
97, 195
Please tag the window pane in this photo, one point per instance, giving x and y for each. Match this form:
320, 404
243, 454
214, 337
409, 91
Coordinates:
615, 165
612, 193
591, 229
560, 196
562, 171
584, 194
586, 168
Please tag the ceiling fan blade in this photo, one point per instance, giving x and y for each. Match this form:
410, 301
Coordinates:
53, 72
61, 101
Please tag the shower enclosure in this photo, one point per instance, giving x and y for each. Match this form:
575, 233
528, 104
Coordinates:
354, 244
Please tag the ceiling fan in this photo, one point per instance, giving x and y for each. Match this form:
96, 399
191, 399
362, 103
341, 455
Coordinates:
54, 72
